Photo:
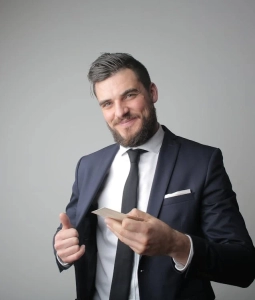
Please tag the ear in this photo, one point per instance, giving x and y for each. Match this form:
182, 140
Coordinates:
154, 92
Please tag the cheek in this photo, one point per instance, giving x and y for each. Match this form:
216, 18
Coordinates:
139, 108
144, 111
108, 116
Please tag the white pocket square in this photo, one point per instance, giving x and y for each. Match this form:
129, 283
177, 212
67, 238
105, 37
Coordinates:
179, 193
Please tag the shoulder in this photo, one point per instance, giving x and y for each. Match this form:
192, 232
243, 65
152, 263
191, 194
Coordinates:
199, 153
99, 156
104, 151
194, 145
189, 148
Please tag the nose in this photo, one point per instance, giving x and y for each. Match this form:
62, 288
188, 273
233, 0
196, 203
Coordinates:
120, 109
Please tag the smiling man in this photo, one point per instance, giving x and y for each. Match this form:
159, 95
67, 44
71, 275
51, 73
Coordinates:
188, 230
128, 108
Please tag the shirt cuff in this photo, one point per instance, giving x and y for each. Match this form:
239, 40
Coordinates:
63, 264
180, 267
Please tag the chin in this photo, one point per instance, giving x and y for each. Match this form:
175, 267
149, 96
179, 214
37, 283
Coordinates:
128, 132
129, 136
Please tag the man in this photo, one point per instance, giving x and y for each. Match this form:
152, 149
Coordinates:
189, 230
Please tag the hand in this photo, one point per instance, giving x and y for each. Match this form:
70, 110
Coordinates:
67, 241
150, 236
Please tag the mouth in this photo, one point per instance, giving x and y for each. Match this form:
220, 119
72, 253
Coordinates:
126, 122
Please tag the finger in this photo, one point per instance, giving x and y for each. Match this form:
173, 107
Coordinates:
122, 231
134, 241
126, 225
66, 234
63, 253
73, 257
64, 219
113, 224
63, 244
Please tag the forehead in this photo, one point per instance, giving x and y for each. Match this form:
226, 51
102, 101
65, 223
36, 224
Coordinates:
117, 84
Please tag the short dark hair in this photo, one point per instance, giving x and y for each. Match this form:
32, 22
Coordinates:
107, 64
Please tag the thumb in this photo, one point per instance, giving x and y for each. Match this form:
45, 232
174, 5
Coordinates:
64, 219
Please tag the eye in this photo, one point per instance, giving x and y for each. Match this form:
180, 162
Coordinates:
106, 104
131, 95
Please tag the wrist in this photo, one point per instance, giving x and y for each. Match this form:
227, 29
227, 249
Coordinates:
180, 248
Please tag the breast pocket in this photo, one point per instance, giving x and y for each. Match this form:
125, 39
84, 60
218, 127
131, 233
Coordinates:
179, 212
178, 199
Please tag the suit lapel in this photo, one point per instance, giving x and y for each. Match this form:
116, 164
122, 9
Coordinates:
165, 166
95, 174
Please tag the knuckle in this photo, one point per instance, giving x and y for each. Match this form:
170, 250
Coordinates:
147, 230
60, 254
144, 242
73, 241
75, 232
141, 250
125, 223
58, 236
57, 245
76, 240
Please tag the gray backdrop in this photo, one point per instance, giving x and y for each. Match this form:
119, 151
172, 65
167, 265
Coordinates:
199, 53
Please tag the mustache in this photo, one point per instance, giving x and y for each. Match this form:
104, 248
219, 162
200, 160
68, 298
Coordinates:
124, 118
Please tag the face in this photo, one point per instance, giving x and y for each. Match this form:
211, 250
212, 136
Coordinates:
128, 108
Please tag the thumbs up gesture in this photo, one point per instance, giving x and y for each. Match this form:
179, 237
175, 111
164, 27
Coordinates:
67, 241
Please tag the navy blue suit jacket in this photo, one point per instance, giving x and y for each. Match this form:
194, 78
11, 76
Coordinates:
223, 250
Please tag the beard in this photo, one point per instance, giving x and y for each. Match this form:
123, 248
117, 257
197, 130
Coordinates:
148, 128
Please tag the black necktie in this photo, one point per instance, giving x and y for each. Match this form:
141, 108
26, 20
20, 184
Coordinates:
124, 255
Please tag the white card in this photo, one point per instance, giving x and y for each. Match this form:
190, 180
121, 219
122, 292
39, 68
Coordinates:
110, 213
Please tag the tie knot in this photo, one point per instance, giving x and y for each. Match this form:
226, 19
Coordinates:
134, 154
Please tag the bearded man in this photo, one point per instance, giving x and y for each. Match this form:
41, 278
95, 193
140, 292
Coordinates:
183, 227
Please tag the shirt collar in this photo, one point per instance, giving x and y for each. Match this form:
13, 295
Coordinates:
152, 145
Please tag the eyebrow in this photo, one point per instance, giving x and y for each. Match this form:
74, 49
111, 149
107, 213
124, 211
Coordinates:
132, 90
103, 101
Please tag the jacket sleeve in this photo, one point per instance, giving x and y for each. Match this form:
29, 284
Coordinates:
225, 252
71, 212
